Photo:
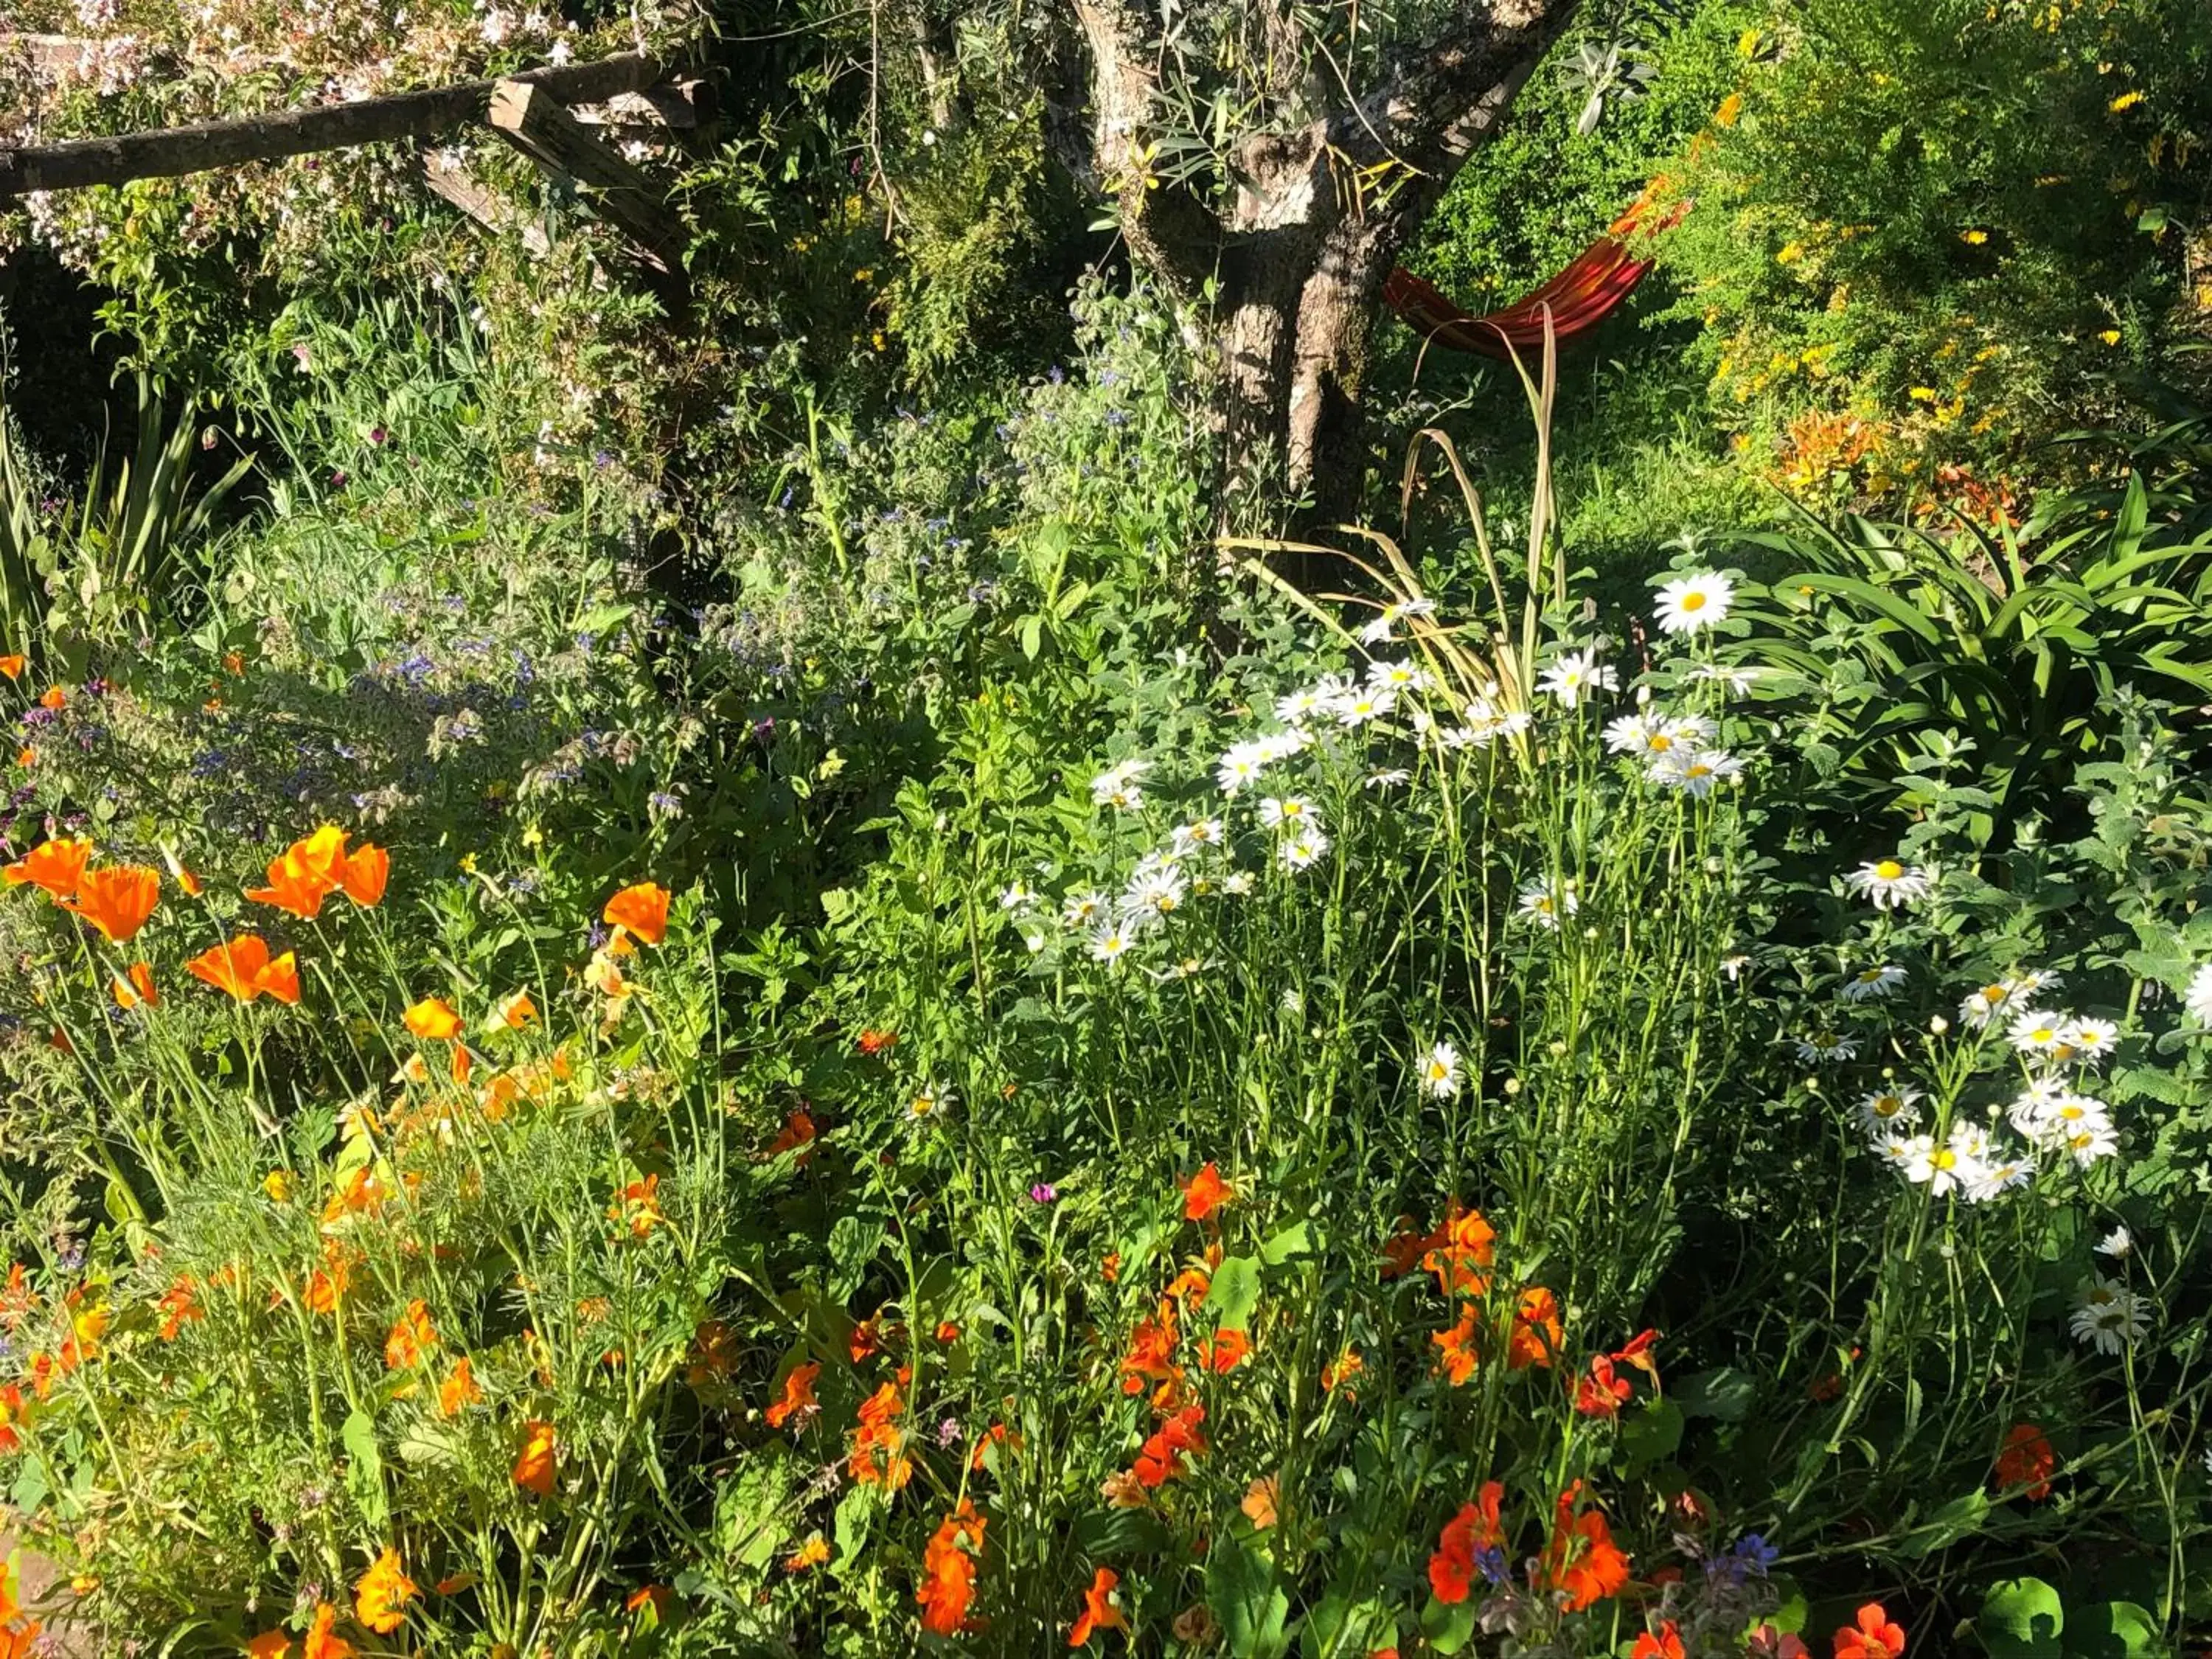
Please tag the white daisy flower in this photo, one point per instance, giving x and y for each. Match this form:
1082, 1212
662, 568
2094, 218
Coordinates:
1238, 883
2092, 1142
1985, 1003
1440, 1077
1369, 703
1188, 968
1733, 967
1297, 707
1988, 1181
1538, 903
1281, 746
2091, 1040
1739, 677
1238, 768
1117, 787
1899, 1151
1942, 1169
1111, 940
1695, 771
1691, 603
1632, 734
1889, 1111
2120, 1244
1016, 897
1191, 837
1389, 778
1377, 631
2197, 999
1296, 811
1823, 1048
1159, 893
1395, 677
1889, 883
1083, 909
1871, 982
1302, 848
1576, 674
2041, 1035
2110, 1317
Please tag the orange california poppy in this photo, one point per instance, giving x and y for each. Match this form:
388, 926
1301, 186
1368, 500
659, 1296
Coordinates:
948, 1572
432, 1019
1536, 1335
533, 1466
458, 1390
118, 901
1205, 1193
798, 1396
643, 910
280, 979
512, 1013
137, 988
321, 1644
304, 874
411, 1337
56, 866
54, 697
1101, 1609
26, 758
381, 1596
363, 872
236, 968
14, 664
659, 1597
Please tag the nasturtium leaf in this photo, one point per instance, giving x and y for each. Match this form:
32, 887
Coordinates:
1447, 1627
2114, 1630
1240, 1587
1725, 1393
1235, 1292
2021, 1619
1293, 1240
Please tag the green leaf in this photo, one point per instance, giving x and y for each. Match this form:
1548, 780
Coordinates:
365, 1472
2115, 1630
1652, 1435
1725, 1393
1235, 1292
1961, 1517
2021, 1619
1240, 1583
1293, 1240
1447, 1628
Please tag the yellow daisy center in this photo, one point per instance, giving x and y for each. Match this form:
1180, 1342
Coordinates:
1888, 870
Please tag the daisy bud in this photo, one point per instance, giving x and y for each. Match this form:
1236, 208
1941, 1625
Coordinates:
1939, 1026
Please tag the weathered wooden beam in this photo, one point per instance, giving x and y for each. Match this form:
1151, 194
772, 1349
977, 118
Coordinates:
680, 105
170, 152
531, 116
451, 180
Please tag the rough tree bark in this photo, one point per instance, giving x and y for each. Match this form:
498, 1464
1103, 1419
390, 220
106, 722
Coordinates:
1318, 218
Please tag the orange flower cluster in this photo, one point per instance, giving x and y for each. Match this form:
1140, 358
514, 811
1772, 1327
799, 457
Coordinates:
1604, 1391
118, 901
1162, 1457
948, 1572
876, 1456
1581, 1564
1474, 1528
381, 1594
313, 867
1101, 1609
799, 1399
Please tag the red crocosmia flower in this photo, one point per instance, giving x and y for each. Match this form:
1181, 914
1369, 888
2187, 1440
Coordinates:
1582, 1560
1536, 1334
432, 1019
1601, 1394
1665, 1644
533, 1464
1457, 1355
1101, 1609
1875, 1636
1205, 1193
1224, 1351
363, 873
1162, 1458
948, 1572
2026, 1462
641, 911
118, 901
798, 1396
56, 866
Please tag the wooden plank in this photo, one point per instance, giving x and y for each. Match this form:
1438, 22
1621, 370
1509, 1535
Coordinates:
170, 152
531, 118
680, 105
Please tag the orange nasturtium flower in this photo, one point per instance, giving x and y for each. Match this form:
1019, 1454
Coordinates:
948, 1572
118, 901
641, 910
54, 866
512, 1013
874, 1042
798, 1130
136, 987
1457, 1249
1224, 1351
1161, 1458
363, 872
1876, 1635
411, 1337
659, 1597
321, 1644
638, 1206
799, 1399
1205, 1193
458, 1390
1536, 1335
270, 1644
533, 1466
1581, 1559
877, 1431
1457, 1354
1474, 1528
245, 969
14, 664
380, 1597
812, 1553
53, 697
1101, 1609
2026, 1461
432, 1019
